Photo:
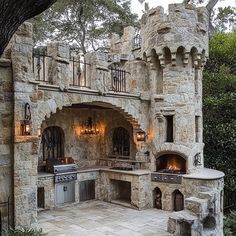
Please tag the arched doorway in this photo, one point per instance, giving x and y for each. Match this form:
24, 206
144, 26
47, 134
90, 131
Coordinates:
157, 198
178, 200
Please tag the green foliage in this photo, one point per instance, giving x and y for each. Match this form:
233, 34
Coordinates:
85, 23
24, 232
225, 18
230, 224
219, 107
222, 51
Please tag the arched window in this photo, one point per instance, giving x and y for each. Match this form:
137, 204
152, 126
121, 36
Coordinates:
53, 143
121, 142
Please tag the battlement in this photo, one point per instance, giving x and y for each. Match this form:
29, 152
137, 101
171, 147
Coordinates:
184, 26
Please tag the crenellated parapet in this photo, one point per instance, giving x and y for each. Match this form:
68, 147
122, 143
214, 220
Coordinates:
176, 36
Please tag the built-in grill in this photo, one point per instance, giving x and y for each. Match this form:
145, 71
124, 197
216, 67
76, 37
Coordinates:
64, 169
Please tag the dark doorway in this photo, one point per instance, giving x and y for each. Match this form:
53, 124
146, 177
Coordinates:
178, 201
40, 196
157, 201
185, 229
87, 190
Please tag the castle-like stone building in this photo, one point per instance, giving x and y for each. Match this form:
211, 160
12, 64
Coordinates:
123, 126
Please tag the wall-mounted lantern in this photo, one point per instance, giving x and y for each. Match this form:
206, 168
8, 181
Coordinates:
39, 131
26, 123
141, 136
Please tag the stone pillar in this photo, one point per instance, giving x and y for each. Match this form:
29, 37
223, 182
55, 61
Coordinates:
59, 71
25, 147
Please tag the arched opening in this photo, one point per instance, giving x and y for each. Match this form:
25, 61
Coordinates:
209, 223
167, 55
156, 66
52, 145
180, 56
193, 57
171, 163
121, 142
178, 200
157, 198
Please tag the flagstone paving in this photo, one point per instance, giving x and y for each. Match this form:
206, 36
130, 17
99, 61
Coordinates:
97, 218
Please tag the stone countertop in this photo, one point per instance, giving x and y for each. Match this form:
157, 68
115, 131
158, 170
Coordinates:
108, 169
205, 173
100, 168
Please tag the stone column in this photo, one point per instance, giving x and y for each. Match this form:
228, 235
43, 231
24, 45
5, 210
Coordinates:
25, 147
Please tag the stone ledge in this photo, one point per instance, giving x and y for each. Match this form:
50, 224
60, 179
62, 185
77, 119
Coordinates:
26, 139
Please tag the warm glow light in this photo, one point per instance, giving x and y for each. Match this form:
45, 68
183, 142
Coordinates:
173, 165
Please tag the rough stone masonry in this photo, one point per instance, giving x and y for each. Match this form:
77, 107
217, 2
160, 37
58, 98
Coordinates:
149, 81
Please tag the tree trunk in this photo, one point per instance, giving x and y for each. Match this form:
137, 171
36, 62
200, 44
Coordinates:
14, 12
210, 5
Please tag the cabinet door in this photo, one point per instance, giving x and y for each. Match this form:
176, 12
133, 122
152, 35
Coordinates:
87, 190
69, 192
59, 194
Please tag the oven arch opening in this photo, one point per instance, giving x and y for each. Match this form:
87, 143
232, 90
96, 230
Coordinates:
171, 163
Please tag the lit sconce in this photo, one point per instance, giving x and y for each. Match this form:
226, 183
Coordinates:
141, 136
89, 127
26, 123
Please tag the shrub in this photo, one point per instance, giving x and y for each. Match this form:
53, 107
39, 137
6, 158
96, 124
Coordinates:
230, 224
24, 232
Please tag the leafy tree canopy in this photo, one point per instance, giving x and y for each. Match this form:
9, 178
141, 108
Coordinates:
219, 99
85, 23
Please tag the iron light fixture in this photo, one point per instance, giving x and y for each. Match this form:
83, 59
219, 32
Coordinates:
89, 127
141, 136
26, 123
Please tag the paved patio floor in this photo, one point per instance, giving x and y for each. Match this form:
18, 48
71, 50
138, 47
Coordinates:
97, 218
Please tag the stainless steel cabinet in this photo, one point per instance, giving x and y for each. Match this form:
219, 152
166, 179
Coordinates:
65, 192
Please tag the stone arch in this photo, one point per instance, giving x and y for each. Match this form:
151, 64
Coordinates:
177, 200
51, 106
193, 56
180, 56
171, 148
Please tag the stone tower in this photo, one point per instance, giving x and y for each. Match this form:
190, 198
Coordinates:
175, 47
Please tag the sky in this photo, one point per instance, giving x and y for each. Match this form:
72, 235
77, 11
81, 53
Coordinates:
137, 8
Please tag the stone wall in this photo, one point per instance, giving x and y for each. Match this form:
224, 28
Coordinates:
6, 127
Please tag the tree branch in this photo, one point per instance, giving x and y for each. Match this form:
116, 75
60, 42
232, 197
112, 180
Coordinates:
13, 13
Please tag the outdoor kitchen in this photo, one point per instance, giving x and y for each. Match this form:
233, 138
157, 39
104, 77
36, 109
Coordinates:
89, 159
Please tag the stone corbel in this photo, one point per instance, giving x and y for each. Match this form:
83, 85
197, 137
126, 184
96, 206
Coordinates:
186, 58
162, 60
173, 59
159, 117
